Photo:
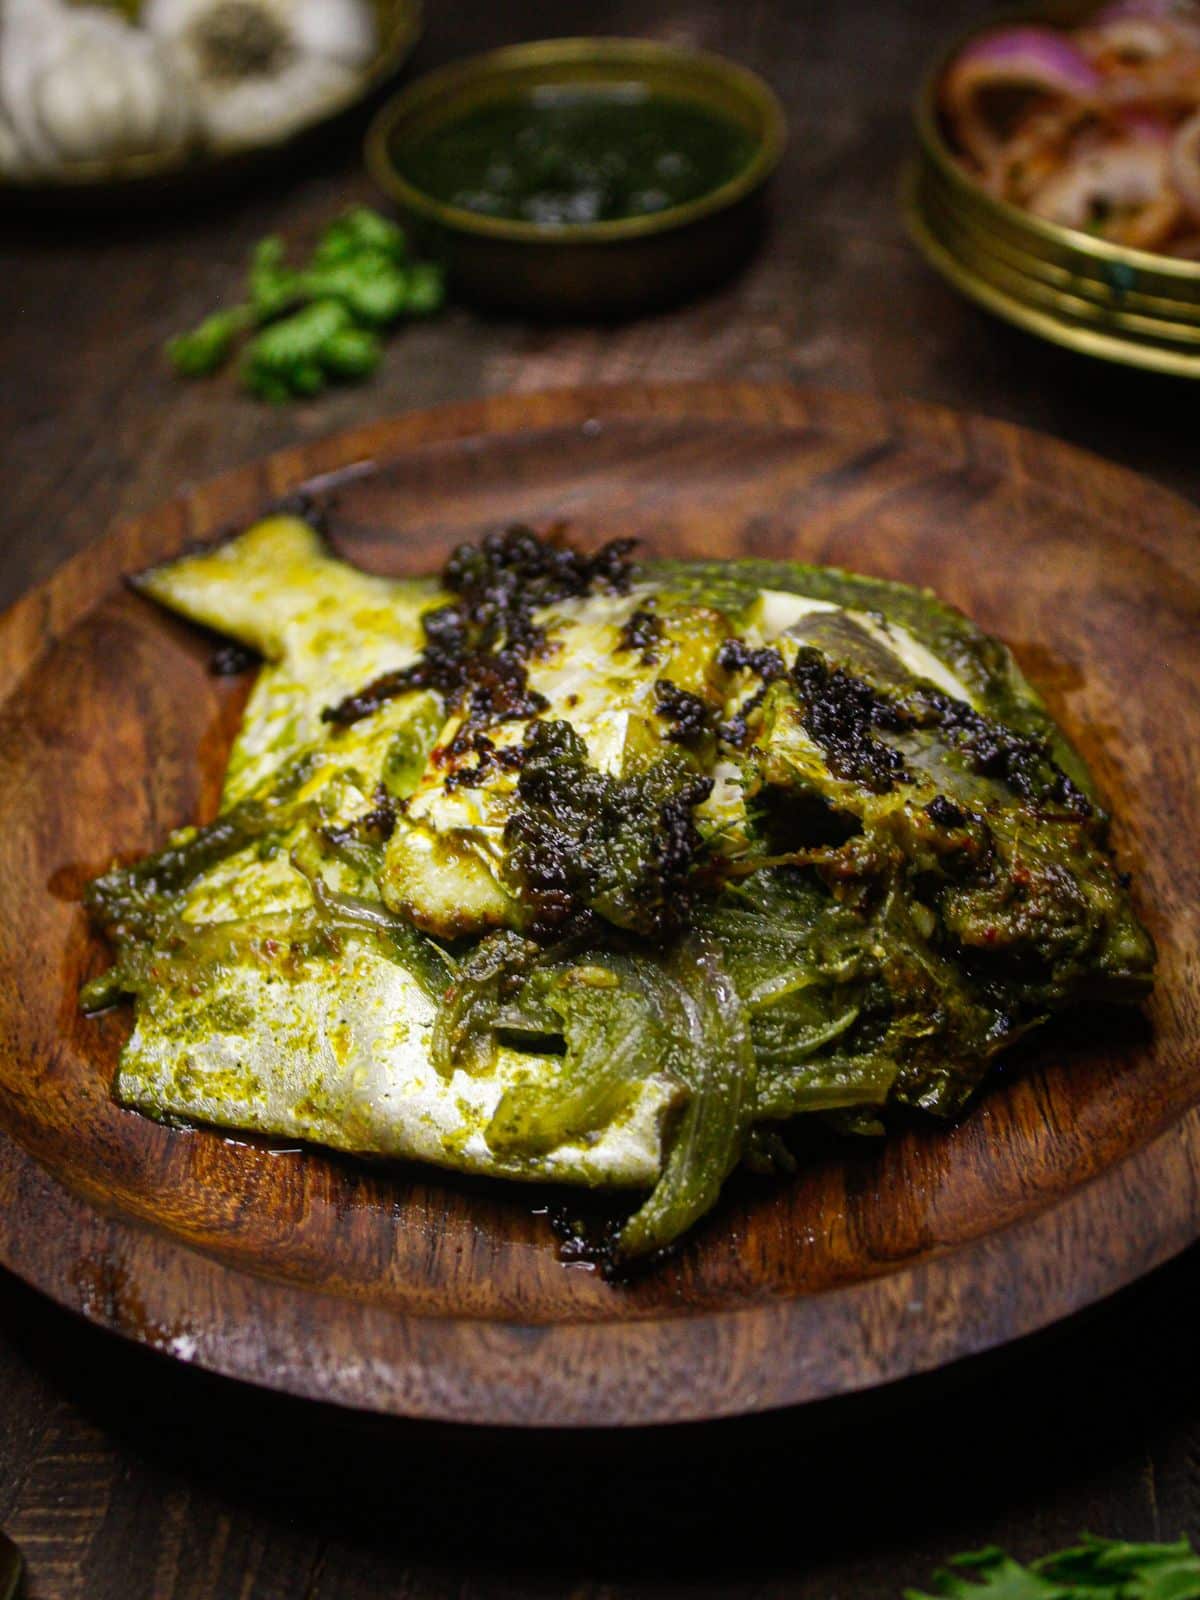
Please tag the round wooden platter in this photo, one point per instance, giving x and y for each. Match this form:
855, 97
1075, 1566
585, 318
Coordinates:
405, 1291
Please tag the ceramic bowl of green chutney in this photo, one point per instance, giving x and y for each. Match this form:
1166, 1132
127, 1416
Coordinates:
582, 177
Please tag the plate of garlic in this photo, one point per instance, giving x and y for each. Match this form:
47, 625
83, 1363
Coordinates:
100, 93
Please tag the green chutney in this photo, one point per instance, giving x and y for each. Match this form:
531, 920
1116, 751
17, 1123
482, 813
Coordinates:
562, 157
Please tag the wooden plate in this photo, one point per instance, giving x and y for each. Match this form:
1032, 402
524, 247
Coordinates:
405, 1291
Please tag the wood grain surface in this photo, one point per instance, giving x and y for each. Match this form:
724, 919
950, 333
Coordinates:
96, 427
408, 1292
125, 1476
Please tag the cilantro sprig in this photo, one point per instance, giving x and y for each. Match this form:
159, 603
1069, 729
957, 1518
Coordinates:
305, 327
1094, 1569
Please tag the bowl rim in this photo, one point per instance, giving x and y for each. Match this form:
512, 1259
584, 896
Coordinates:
1079, 276
952, 170
616, 50
1080, 340
1118, 320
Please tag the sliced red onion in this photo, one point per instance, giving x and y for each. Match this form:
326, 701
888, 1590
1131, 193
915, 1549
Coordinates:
1185, 165
1133, 39
1186, 11
1034, 150
1127, 177
1168, 83
1042, 58
1035, 58
1146, 26
1145, 126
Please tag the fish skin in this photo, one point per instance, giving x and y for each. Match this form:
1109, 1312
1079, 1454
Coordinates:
337, 1056
337, 1052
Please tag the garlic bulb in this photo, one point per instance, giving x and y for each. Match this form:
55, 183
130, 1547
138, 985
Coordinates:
260, 69
12, 158
80, 84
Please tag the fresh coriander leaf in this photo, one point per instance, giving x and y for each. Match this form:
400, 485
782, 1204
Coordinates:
307, 378
426, 289
265, 387
370, 285
360, 266
272, 286
1138, 1571
1094, 1569
205, 348
993, 1576
292, 352
352, 353
1169, 1581
359, 230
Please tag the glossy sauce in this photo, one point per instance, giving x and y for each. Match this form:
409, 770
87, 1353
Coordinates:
566, 156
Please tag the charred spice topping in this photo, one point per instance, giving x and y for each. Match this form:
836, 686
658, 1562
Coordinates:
477, 647
582, 842
735, 655
765, 662
994, 751
490, 760
373, 827
944, 812
690, 717
844, 715
642, 631
839, 713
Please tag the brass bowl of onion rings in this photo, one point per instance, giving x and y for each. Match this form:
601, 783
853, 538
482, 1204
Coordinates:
1058, 176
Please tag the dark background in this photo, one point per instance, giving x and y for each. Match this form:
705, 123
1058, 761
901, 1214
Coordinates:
125, 1479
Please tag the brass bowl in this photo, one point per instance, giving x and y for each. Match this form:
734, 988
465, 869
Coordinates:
976, 275
584, 269
399, 23
1111, 295
1104, 299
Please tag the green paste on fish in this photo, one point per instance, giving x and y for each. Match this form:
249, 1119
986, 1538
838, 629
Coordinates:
563, 867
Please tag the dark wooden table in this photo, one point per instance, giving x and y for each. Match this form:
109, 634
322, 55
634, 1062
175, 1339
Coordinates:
125, 1479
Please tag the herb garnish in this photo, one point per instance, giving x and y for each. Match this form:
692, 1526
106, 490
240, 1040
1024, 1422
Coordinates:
477, 646
318, 324
690, 717
1094, 1569
583, 841
641, 632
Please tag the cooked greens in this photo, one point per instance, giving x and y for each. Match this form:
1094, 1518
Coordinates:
566, 868
583, 843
